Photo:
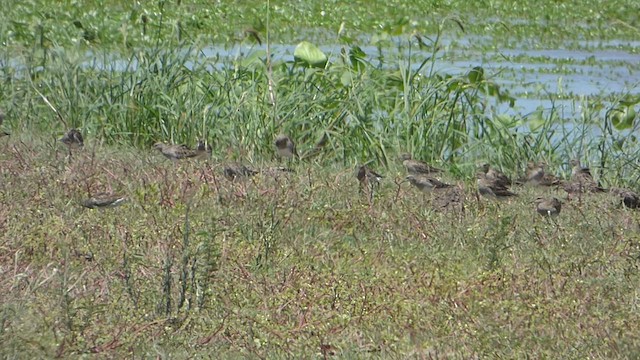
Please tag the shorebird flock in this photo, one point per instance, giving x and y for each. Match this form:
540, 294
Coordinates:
495, 185
491, 183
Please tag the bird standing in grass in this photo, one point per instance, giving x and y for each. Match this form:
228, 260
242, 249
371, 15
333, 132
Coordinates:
236, 171
368, 179
537, 175
103, 200
285, 147
2, 132
73, 139
548, 207
417, 167
427, 184
583, 175
495, 175
579, 173
492, 188
629, 198
175, 152
581, 180
203, 150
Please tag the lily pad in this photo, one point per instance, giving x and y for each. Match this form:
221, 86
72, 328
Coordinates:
476, 75
623, 118
309, 54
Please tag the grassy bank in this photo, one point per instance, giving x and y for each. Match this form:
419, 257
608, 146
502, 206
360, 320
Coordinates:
303, 264
357, 107
299, 265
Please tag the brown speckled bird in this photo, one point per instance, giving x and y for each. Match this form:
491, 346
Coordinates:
581, 180
203, 150
537, 175
367, 177
103, 200
236, 171
495, 175
579, 173
2, 132
285, 147
548, 207
73, 139
175, 152
535, 172
628, 197
492, 189
427, 184
417, 167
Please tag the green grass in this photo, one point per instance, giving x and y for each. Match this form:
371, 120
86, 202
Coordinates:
278, 266
359, 107
131, 24
351, 110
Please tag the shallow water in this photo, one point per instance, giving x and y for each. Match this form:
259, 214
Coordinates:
594, 69
531, 75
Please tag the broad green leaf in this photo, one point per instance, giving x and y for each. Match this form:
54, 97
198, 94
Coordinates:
476, 75
455, 85
623, 119
356, 55
630, 100
310, 55
507, 98
256, 57
493, 89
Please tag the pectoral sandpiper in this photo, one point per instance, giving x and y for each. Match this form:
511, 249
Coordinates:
103, 200
417, 167
175, 152
548, 207
285, 147
493, 189
427, 184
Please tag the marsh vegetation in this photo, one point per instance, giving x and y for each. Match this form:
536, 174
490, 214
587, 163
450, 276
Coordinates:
305, 263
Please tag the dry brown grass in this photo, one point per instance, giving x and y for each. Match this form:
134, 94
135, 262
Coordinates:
299, 265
